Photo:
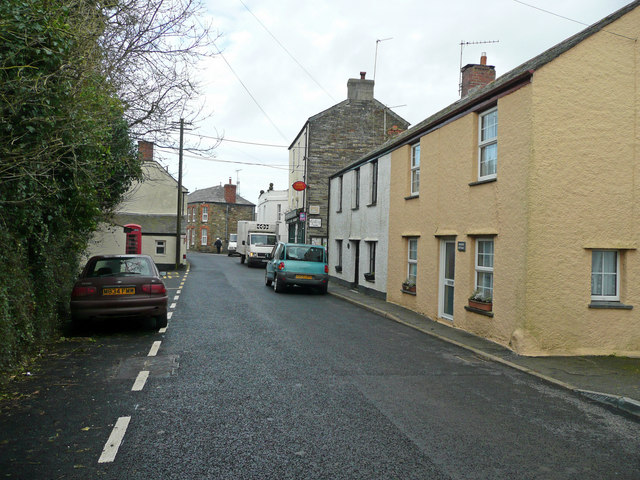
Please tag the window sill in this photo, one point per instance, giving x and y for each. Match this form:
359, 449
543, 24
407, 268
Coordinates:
370, 277
408, 292
411, 197
355, 208
609, 305
339, 211
372, 204
478, 311
482, 182
338, 268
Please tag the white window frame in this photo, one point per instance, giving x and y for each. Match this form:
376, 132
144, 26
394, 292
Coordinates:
415, 169
481, 269
205, 213
161, 244
412, 261
484, 144
607, 298
355, 201
373, 246
339, 194
374, 182
339, 251
203, 236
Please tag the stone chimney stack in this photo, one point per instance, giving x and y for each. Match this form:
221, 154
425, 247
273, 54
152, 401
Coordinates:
145, 149
360, 89
476, 76
230, 192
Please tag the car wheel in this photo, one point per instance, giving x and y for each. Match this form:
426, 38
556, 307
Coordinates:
161, 321
323, 289
278, 287
267, 280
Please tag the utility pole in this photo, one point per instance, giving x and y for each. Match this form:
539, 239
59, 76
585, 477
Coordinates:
179, 216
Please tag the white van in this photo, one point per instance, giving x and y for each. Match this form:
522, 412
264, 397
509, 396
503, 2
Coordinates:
232, 245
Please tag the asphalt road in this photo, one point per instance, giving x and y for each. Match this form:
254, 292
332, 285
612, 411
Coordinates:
249, 384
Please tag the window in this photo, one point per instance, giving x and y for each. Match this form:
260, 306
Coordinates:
279, 213
203, 236
415, 169
339, 194
355, 202
161, 247
372, 257
205, 214
412, 268
488, 145
374, 182
193, 237
339, 255
605, 278
484, 267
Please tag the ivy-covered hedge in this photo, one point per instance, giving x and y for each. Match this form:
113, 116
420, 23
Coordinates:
66, 158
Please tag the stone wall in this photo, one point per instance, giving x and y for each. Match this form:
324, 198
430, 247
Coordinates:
223, 220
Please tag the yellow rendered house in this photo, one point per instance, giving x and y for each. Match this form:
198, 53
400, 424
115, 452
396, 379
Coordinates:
525, 195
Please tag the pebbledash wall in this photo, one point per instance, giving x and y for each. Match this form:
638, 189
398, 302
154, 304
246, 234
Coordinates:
565, 187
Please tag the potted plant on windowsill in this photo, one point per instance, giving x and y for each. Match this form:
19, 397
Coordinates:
479, 301
409, 286
370, 277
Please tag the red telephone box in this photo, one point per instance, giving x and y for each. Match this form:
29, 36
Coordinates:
134, 238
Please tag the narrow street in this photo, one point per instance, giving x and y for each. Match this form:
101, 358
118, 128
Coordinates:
247, 383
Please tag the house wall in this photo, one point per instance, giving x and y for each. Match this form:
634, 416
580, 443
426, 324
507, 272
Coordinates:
267, 211
156, 194
568, 146
222, 220
448, 207
370, 222
584, 195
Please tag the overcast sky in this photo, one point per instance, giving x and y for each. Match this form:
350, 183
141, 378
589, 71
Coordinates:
292, 60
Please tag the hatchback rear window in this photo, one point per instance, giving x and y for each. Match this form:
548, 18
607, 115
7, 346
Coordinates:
120, 266
305, 254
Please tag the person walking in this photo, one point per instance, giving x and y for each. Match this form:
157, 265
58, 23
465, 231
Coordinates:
218, 244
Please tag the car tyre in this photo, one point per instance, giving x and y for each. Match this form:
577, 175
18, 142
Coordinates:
161, 321
267, 280
278, 287
324, 288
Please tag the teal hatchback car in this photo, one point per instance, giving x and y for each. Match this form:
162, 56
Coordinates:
297, 264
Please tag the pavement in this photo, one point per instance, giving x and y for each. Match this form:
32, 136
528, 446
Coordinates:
609, 380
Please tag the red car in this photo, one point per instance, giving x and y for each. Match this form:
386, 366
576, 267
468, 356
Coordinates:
119, 286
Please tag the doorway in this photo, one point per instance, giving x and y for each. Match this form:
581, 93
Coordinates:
447, 278
356, 254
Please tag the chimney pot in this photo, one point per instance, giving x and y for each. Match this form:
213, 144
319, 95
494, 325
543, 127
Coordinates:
483, 58
362, 75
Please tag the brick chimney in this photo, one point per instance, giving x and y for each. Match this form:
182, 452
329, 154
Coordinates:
230, 192
145, 149
360, 89
476, 76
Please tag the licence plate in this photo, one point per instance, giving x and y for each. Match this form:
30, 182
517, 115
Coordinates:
305, 277
119, 291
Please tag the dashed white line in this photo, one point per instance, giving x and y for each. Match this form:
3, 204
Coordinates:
154, 349
162, 330
173, 305
169, 315
140, 381
115, 439
176, 298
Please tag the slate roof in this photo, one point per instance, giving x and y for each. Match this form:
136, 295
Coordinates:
502, 83
214, 195
152, 224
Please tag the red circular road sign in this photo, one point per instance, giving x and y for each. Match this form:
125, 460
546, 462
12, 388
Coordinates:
299, 185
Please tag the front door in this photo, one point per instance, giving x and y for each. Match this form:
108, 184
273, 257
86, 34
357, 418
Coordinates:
447, 277
356, 253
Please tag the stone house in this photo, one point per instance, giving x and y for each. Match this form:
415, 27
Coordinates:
214, 213
329, 141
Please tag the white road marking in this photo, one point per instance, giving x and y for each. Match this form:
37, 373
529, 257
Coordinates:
173, 305
140, 381
178, 292
176, 298
115, 439
154, 349
162, 330
169, 315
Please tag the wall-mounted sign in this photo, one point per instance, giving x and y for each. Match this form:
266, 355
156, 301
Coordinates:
303, 216
314, 209
462, 246
299, 186
315, 222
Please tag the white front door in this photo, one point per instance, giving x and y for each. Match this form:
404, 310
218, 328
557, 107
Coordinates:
447, 278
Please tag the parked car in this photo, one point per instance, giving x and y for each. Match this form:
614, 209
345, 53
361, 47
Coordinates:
113, 286
297, 264
232, 245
